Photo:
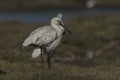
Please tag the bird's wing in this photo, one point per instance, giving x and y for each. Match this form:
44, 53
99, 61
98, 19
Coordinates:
41, 36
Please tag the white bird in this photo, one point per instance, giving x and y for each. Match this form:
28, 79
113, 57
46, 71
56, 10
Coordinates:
52, 46
46, 38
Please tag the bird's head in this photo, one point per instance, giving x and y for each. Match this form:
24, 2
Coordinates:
56, 21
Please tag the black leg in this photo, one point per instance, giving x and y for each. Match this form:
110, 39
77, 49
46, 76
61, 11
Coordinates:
48, 58
42, 56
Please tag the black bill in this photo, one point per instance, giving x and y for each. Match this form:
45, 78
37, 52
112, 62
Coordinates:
66, 29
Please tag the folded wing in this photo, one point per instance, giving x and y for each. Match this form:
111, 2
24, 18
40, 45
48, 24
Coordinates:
41, 36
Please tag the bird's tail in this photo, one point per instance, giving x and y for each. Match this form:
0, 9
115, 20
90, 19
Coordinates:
36, 52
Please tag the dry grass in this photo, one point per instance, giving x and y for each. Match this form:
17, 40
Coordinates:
92, 53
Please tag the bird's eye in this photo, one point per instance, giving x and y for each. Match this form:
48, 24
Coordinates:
58, 21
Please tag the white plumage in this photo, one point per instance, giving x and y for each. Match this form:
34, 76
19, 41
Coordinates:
57, 41
46, 38
41, 36
48, 33
36, 52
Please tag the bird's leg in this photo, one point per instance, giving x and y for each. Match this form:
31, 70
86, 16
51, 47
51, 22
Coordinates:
42, 57
48, 58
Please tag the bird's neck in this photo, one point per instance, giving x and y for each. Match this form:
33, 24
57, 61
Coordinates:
59, 29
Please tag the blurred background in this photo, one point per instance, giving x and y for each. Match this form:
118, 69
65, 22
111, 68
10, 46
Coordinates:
91, 53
